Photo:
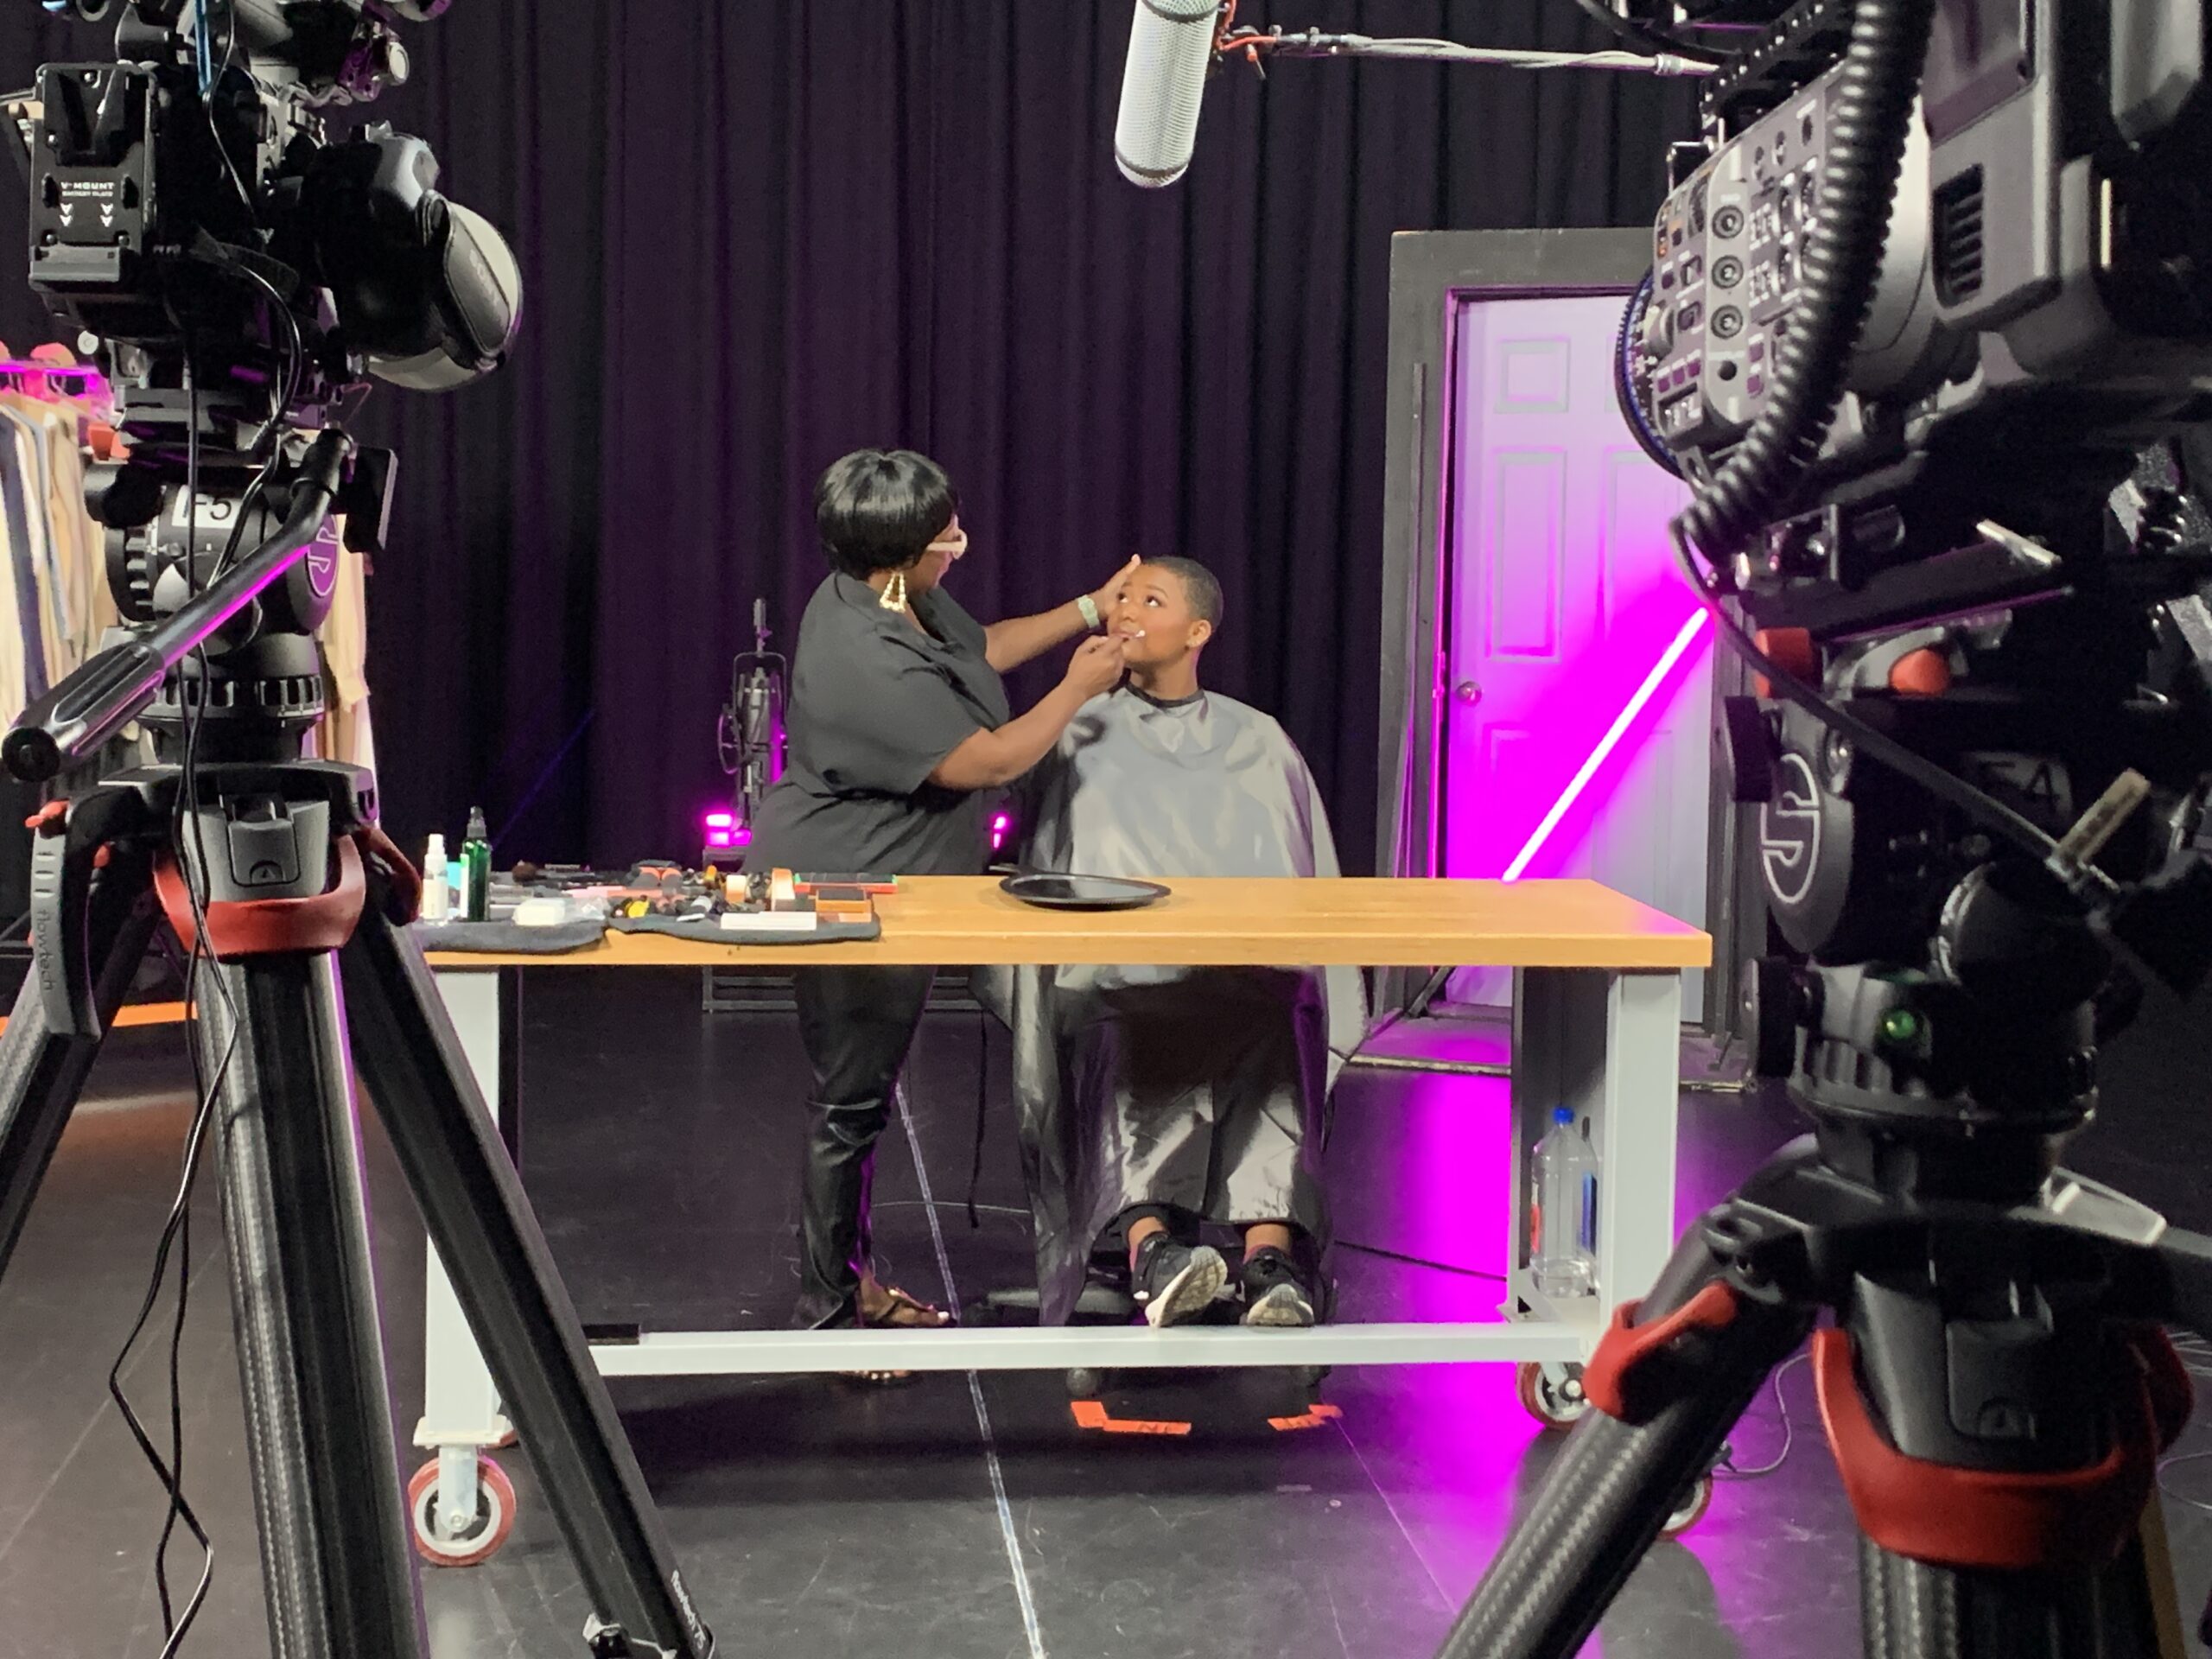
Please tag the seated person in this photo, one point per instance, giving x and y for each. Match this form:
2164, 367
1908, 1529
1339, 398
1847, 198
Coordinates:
1156, 1099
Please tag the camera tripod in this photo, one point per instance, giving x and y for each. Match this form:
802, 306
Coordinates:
312, 976
1996, 1381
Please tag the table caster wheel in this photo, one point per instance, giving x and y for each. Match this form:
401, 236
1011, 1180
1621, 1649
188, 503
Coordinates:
1084, 1383
478, 1542
1691, 1510
1555, 1401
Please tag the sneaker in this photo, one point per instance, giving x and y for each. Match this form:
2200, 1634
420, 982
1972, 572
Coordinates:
1275, 1292
1175, 1281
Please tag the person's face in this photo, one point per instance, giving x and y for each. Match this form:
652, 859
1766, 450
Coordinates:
1154, 620
939, 556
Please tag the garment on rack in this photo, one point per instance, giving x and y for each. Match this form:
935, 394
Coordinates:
345, 732
88, 608
17, 591
23, 498
51, 578
1204, 1089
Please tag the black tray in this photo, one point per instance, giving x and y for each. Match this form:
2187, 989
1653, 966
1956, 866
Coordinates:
1082, 892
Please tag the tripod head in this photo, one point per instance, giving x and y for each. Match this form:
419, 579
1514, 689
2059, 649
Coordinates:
241, 270
1929, 330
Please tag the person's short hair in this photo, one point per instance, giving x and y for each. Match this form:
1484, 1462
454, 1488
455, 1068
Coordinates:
1199, 587
877, 509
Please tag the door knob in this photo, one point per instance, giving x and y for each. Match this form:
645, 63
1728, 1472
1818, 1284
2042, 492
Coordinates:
1468, 692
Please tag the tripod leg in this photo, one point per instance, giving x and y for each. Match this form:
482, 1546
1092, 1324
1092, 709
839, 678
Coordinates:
1909, 1609
481, 1223
1616, 1482
42, 1070
334, 1549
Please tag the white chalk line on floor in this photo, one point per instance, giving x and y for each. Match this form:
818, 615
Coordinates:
1029, 1626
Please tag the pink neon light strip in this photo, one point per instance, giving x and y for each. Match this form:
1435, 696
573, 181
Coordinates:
1644, 695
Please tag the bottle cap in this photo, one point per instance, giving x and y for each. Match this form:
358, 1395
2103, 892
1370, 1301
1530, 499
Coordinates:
476, 829
437, 848
1562, 1114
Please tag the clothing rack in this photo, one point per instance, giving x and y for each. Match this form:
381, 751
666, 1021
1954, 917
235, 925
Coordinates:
56, 608
55, 591
53, 601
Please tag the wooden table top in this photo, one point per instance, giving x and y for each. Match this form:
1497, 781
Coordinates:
1364, 922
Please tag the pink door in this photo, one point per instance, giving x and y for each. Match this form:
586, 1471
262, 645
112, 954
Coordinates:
1576, 742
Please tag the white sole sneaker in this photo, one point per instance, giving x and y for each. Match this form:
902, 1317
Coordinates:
1283, 1306
1189, 1291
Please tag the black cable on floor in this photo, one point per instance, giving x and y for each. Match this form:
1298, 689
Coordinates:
1726, 1468
1419, 1262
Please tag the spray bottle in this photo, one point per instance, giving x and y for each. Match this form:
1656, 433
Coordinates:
437, 905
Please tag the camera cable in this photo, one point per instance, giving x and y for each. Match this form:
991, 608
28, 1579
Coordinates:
176, 1232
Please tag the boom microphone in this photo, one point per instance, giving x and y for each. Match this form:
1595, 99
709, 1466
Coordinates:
1171, 48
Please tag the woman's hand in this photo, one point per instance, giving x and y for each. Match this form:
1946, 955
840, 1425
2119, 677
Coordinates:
1020, 639
986, 759
1108, 597
1095, 668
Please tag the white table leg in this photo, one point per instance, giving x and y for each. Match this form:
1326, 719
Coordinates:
1608, 1046
1634, 1134
460, 1407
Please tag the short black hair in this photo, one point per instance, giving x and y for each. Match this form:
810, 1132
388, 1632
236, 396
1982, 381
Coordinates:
1200, 586
877, 509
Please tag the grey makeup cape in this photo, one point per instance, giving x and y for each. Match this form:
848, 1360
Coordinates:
1206, 1089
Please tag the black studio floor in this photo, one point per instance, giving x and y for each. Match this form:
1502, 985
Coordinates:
815, 1516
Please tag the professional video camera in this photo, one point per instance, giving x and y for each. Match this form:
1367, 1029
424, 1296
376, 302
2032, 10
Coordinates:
1929, 328
1970, 514
242, 271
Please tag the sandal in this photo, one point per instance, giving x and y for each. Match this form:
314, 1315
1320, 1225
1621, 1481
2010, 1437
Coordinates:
899, 1312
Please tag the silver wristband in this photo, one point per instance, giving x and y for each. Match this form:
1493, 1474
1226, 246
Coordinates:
1088, 607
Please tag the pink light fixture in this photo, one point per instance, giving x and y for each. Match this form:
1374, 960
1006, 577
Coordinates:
1001, 826
1639, 700
724, 831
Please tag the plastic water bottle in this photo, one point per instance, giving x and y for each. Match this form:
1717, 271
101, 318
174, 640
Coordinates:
1563, 1246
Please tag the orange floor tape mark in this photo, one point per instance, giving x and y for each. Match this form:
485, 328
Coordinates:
143, 1013
1313, 1419
1088, 1413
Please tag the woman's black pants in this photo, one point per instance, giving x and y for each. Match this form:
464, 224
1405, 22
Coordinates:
857, 1024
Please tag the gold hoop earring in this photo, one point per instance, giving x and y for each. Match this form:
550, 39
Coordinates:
894, 592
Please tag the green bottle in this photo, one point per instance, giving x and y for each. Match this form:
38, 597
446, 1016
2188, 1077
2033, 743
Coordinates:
476, 869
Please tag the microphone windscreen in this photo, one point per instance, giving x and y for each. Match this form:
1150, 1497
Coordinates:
1171, 47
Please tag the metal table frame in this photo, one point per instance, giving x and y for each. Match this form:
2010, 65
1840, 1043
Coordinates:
1603, 1042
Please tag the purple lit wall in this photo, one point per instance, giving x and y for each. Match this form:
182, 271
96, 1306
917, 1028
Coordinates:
1575, 740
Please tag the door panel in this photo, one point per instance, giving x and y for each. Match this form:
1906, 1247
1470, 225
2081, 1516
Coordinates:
1564, 598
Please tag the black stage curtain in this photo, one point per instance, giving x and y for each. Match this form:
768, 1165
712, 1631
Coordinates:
757, 236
